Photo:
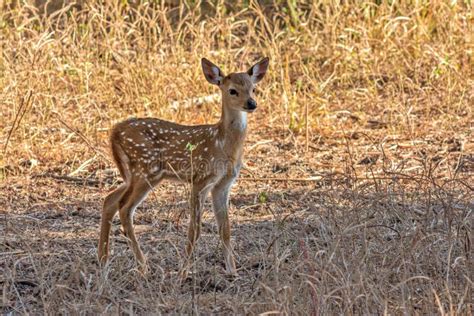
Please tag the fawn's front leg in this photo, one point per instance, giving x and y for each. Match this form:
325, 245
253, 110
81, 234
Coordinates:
220, 201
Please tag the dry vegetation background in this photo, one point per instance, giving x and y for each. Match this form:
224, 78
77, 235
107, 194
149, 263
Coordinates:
357, 193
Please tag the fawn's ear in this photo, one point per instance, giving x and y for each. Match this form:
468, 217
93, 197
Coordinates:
258, 71
213, 74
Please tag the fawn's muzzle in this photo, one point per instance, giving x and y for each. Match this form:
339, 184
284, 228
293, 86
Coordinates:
251, 105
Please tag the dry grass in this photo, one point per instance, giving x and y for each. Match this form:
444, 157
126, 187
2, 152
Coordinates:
371, 102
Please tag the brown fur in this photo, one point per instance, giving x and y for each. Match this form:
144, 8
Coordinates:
148, 150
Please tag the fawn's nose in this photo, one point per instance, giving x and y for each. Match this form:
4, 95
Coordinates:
251, 104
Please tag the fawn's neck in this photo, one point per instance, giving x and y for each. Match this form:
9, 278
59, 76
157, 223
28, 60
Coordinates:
234, 120
232, 129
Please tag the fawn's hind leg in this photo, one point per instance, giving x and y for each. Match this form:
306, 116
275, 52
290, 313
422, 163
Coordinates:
135, 194
110, 208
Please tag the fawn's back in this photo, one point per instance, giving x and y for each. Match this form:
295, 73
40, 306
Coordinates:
153, 148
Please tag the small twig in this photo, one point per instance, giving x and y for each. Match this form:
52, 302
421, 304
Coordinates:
311, 179
84, 138
306, 126
18, 117
85, 181
466, 185
16, 252
385, 226
396, 176
21, 282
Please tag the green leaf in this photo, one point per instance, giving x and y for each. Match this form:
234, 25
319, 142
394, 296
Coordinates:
190, 147
262, 197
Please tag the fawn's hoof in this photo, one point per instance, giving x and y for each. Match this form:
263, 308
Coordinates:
183, 274
143, 269
102, 261
232, 274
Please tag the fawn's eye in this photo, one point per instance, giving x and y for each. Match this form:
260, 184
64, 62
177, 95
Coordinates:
233, 92
253, 90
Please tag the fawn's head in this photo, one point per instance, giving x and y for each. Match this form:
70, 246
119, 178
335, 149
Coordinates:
238, 89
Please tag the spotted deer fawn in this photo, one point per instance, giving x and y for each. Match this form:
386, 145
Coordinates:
209, 157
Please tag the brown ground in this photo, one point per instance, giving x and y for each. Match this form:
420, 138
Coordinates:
357, 192
339, 244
